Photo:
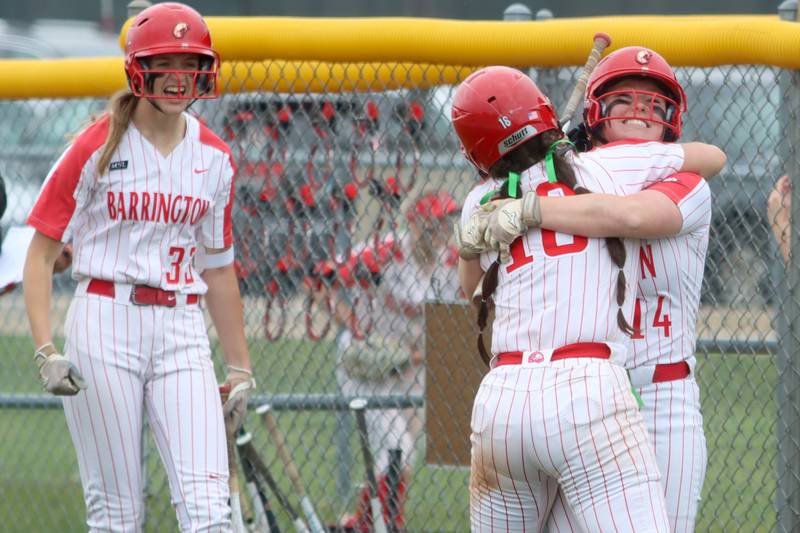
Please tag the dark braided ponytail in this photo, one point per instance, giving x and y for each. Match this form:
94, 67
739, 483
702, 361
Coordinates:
517, 161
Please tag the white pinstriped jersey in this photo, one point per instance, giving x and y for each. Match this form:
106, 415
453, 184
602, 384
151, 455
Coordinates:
560, 289
142, 220
670, 277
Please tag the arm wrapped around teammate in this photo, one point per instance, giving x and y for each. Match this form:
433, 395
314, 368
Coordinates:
510, 219
59, 376
240, 383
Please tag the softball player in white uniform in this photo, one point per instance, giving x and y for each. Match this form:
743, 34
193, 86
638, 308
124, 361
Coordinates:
553, 412
637, 82
422, 267
139, 192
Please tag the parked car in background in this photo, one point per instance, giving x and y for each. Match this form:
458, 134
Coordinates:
34, 132
55, 38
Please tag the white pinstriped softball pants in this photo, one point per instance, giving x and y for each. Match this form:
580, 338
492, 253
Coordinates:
674, 425
572, 424
155, 359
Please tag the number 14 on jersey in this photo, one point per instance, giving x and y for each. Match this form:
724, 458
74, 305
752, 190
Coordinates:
660, 320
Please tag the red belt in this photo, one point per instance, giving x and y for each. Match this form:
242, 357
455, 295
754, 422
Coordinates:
671, 372
140, 294
596, 350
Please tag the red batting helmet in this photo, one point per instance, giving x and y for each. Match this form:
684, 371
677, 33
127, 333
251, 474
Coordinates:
494, 110
635, 61
170, 28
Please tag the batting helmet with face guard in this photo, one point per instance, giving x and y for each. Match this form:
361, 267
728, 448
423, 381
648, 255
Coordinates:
635, 61
170, 28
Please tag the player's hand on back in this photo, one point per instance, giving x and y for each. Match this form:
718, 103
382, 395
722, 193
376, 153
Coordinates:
59, 375
509, 219
238, 386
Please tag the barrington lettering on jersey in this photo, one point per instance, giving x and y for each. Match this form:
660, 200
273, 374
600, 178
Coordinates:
155, 207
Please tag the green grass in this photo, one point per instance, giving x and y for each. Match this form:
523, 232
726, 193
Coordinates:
40, 489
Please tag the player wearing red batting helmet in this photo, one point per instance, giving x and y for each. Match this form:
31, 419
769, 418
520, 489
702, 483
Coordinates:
553, 297
634, 96
145, 194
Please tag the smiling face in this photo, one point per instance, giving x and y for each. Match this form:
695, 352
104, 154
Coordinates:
634, 108
173, 80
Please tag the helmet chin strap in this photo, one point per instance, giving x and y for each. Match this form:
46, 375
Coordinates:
152, 102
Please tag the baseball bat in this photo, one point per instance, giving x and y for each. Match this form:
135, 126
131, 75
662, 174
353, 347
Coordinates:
265, 520
237, 520
393, 480
358, 407
601, 42
314, 523
250, 455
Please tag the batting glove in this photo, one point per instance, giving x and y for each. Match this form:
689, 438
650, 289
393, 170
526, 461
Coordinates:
239, 384
510, 220
470, 239
59, 375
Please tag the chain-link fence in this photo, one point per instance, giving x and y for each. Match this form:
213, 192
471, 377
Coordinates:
342, 226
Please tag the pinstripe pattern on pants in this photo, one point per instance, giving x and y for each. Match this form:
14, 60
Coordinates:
572, 424
674, 425
153, 360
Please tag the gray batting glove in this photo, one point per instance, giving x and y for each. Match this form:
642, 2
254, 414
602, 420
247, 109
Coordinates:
511, 220
238, 386
59, 375
470, 239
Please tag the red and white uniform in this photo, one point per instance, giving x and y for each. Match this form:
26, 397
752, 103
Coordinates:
661, 356
669, 283
141, 223
571, 423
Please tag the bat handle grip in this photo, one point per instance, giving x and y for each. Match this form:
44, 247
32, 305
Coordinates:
601, 42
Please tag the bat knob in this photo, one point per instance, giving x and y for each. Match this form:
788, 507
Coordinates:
358, 404
244, 438
603, 37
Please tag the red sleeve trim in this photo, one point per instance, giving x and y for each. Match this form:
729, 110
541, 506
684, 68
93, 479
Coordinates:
678, 186
227, 222
56, 203
209, 138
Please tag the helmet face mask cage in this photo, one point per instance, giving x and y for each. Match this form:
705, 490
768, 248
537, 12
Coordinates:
171, 28
202, 82
634, 62
647, 106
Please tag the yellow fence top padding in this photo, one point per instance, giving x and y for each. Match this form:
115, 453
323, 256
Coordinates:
75, 78
684, 41
60, 78
315, 54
